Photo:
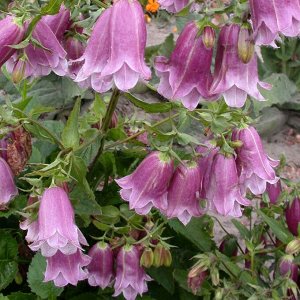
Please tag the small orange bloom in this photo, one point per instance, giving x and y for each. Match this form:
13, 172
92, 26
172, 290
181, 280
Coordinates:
152, 6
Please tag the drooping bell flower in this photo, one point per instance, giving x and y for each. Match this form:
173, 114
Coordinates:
59, 23
66, 269
196, 277
173, 6
183, 193
147, 185
115, 50
233, 78
292, 215
186, 75
255, 167
8, 189
11, 33
57, 228
223, 191
271, 18
131, 279
100, 269
274, 191
41, 61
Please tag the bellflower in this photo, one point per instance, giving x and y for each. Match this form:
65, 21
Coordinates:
115, 50
100, 268
233, 78
147, 185
64, 269
183, 193
173, 6
8, 189
274, 191
186, 75
288, 267
271, 18
10, 34
292, 215
223, 191
131, 279
57, 230
255, 167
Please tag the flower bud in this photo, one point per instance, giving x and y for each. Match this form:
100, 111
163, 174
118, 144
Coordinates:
287, 267
292, 214
208, 37
147, 258
229, 246
18, 71
293, 247
274, 191
196, 278
162, 256
245, 45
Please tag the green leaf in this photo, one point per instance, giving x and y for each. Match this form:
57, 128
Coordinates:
150, 107
70, 135
244, 232
35, 278
52, 7
278, 229
21, 296
185, 139
164, 277
8, 257
194, 231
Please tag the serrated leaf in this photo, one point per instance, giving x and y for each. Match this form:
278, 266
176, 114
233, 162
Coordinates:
164, 277
35, 278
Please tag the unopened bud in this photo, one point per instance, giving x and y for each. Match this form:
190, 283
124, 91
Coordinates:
18, 71
215, 277
196, 278
167, 258
292, 215
208, 37
293, 247
147, 258
162, 256
245, 45
288, 267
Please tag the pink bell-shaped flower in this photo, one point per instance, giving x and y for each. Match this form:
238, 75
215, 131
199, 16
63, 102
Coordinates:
223, 192
66, 269
186, 76
131, 279
254, 165
288, 267
10, 34
271, 18
183, 193
101, 266
8, 189
292, 215
147, 185
173, 6
57, 229
274, 191
233, 78
115, 50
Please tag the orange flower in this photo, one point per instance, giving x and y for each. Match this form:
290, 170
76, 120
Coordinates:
152, 6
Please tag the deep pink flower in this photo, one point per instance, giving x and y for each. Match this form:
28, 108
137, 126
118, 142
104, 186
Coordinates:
115, 50
223, 191
100, 268
274, 191
8, 189
288, 267
255, 167
38, 61
64, 269
57, 229
147, 185
233, 78
186, 75
173, 6
292, 215
271, 18
183, 193
10, 34
59, 23
131, 279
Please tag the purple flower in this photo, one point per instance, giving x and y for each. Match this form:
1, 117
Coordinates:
8, 189
131, 278
64, 269
271, 18
39, 61
223, 191
147, 185
183, 193
59, 23
173, 6
288, 267
274, 191
57, 230
115, 50
233, 78
10, 34
186, 75
292, 215
101, 266
255, 167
